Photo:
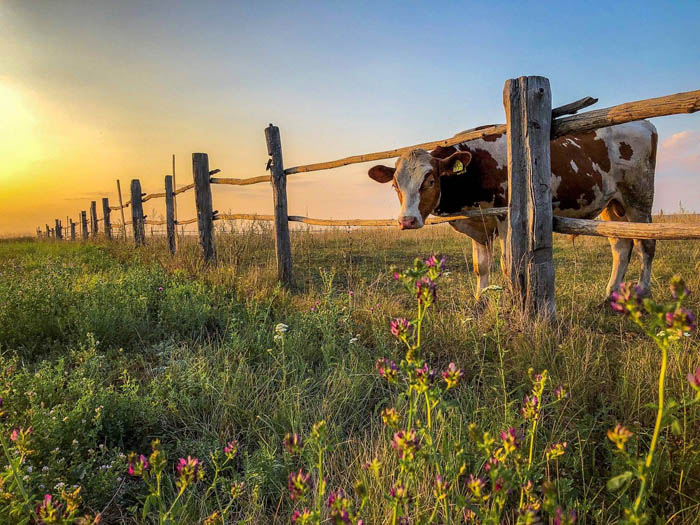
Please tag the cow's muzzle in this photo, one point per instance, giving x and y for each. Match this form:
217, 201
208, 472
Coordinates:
408, 223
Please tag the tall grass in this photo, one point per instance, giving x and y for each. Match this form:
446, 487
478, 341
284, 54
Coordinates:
93, 350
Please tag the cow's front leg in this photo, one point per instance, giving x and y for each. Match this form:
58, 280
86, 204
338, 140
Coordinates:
481, 253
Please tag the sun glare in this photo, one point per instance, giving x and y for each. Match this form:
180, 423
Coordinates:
19, 144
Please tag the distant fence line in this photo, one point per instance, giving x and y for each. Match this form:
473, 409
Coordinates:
531, 124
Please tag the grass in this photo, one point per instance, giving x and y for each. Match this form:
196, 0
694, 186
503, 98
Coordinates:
105, 348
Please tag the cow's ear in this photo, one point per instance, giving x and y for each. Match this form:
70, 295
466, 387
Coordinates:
454, 164
381, 173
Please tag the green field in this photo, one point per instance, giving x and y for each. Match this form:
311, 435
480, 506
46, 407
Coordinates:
106, 347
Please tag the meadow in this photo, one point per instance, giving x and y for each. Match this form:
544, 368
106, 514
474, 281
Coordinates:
105, 348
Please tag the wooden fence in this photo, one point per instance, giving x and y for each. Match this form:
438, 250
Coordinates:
531, 123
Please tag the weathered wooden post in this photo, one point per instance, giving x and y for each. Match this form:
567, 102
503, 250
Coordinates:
137, 218
93, 219
283, 247
170, 212
59, 233
121, 208
106, 217
205, 211
48, 231
72, 230
84, 224
528, 106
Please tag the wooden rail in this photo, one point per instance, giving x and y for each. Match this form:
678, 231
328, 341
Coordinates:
240, 182
687, 102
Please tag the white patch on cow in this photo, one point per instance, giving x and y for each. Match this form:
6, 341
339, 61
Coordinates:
411, 169
574, 143
574, 166
498, 149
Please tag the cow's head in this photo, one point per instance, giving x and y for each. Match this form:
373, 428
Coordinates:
416, 179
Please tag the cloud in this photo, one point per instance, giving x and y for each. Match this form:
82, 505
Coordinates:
680, 153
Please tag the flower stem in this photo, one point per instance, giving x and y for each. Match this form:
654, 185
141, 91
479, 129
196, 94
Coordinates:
657, 426
17, 477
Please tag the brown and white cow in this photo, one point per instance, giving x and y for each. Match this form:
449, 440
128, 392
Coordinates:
607, 172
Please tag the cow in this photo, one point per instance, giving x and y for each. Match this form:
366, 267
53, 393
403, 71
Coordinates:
608, 172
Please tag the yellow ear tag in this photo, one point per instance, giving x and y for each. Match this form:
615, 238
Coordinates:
457, 167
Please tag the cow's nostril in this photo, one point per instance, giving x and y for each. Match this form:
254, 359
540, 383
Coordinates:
408, 223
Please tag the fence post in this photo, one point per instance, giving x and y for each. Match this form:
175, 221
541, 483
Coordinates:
528, 106
283, 248
106, 217
93, 219
72, 230
121, 208
48, 231
59, 234
205, 211
137, 218
84, 224
170, 212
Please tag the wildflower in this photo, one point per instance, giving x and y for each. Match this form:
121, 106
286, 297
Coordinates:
214, 519
231, 449
302, 517
556, 450
470, 516
433, 261
681, 321
340, 507
373, 465
510, 441
530, 407
560, 393
406, 444
401, 328
396, 276
452, 375
424, 378
292, 443
619, 435
560, 518
351, 293
441, 488
476, 487
627, 299
20, 436
491, 463
678, 288
528, 515
137, 466
387, 369
694, 379
189, 471
298, 484
353, 340
318, 430
160, 288
157, 458
398, 493
72, 500
390, 417
426, 290
236, 490
48, 511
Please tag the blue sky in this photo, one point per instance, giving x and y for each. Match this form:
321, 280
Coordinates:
107, 90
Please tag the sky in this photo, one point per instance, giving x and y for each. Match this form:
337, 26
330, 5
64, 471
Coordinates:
95, 91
